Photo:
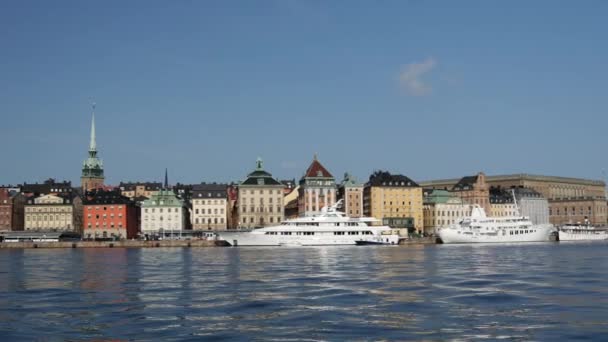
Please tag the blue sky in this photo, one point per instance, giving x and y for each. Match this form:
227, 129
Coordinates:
429, 89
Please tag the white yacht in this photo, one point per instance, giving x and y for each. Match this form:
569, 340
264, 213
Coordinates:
581, 232
480, 228
331, 227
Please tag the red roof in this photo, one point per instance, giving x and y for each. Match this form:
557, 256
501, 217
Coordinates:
317, 170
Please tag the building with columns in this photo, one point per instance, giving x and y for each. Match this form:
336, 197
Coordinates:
351, 193
50, 212
92, 168
317, 189
260, 199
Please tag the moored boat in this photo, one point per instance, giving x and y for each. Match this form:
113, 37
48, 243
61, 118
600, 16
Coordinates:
331, 227
581, 232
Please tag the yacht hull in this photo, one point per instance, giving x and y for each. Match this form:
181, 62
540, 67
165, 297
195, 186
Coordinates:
582, 235
537, 233
253, 239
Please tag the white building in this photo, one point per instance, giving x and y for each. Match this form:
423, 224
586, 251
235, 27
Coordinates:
209, 207
49, 212
162, 212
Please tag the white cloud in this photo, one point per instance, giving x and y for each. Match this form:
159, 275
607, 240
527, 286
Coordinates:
410, 77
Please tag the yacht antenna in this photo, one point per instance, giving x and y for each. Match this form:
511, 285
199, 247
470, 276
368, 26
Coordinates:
515, 202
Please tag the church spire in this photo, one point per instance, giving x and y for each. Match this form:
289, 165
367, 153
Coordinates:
93, 143
166, 179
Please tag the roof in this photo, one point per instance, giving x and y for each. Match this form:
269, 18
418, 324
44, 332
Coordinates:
385, 178
316, 170
209, 191
466, 183
163, 198
106, 197
259, 177
49, 186
521, 177
500, 195
153, 186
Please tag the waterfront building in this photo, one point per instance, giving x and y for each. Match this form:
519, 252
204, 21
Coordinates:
50, 212
137, 190
317, 189
351, 192
260, 199
232, 210
11, 210
162, 212
109, 215
209, 207
570, 199
394, 199
92, 168
442, 208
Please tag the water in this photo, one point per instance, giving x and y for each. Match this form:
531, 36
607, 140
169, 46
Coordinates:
525, 292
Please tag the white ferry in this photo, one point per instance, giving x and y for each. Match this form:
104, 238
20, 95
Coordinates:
581, 232
331, 227
479, 228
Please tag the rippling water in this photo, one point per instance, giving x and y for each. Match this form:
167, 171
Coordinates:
463, 292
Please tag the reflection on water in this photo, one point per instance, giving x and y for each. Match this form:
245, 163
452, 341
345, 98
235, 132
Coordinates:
465, 292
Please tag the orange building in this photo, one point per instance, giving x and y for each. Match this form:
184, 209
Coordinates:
109, 215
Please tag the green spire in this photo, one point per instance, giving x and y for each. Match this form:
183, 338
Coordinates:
93, 143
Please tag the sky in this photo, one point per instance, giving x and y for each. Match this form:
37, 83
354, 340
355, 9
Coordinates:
428, 89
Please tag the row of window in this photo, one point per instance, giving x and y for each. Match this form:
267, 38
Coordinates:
47, 209
261, 220
209, 220
208, 202
160, 210
104, 208
105, 225
253, 209
160, 218
261, 191
209, 212
104, 216
46, 218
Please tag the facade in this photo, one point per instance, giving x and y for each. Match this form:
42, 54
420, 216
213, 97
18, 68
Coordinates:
11, 210
49, 212
442, 208
394, 199
209, 207
163, 211
109, 215
260, 199
501, 203
317, 189
291, 204
351, 192
232, 210
138, 190
92, 168
584, 195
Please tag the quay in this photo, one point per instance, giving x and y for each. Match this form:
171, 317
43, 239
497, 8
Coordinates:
113, 244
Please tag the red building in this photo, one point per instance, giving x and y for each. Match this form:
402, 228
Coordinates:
109, 215
11, 210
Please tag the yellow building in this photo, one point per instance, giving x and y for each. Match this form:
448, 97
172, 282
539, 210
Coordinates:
394, 199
